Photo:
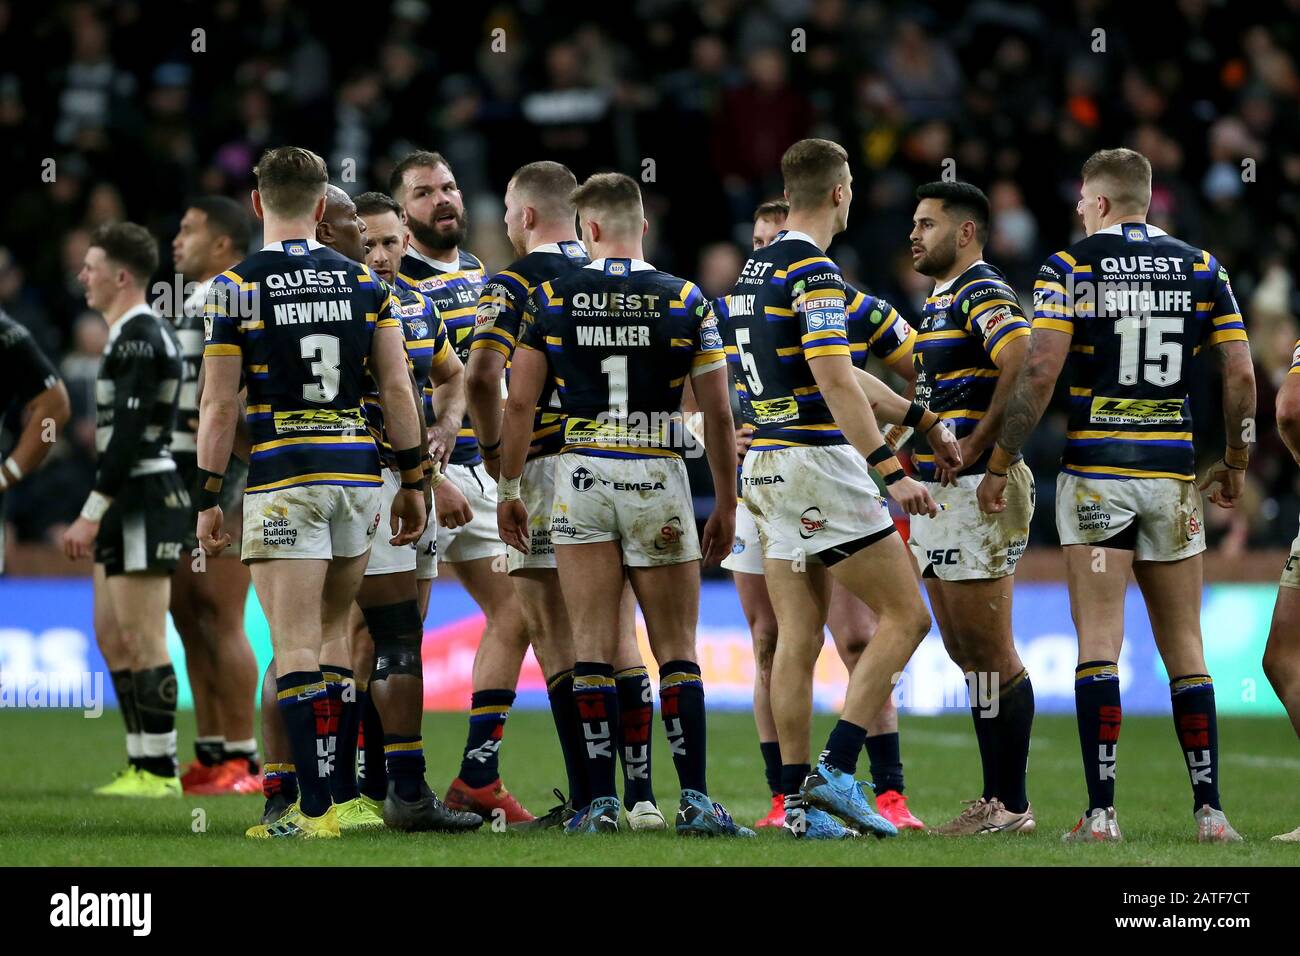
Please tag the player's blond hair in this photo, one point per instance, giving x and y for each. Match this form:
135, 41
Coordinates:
290, 180
548, 187
613, 200
1121, 175
811, 169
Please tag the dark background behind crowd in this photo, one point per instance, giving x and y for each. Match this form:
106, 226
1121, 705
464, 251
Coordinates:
140, 105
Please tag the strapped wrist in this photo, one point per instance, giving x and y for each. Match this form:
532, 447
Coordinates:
207, 489
508, 489
1237, 458
95, 506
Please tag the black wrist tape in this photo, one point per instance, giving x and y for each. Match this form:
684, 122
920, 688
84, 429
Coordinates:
408, 459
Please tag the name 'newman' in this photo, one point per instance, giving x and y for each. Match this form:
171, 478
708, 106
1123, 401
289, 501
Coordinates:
300, 313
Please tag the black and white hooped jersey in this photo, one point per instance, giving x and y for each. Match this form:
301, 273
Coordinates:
455, 292
189, 333
620, 337
1138, 304
301, 317
501, 309
136, 396
25, 372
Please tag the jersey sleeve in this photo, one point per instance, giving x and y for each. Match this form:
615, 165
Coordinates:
1052, 307
227, 300
708, 354
888, 334
500, 312
24, 368
817, 295
134, 357
532, 334
442, 349
1224, 322
992, 313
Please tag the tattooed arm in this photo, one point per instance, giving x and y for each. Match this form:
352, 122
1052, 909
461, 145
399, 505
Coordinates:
1048, 349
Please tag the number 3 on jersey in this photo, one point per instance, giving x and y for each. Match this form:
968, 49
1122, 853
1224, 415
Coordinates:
323, 352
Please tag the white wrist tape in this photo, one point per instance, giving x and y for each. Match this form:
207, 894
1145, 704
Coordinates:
508, 489
15, 473
95, 506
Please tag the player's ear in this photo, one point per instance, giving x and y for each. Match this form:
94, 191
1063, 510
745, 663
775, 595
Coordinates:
319, 212
257, 205
645, 226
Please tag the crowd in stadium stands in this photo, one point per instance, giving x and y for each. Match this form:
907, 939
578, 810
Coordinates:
139, 111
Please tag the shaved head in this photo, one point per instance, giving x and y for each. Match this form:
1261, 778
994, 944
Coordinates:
341, 228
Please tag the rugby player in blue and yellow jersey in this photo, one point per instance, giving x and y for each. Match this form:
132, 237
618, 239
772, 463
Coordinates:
1129, 307
617, 340
970, 345
806, 482
304, 325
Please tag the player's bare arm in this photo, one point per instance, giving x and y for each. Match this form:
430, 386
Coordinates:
1288, 414
1227, 476
52, 406
528, 372
1009, 360
852, 412
401, 420
448, 407
1032, 391
483, 399
218, 423
710, 392
893, 409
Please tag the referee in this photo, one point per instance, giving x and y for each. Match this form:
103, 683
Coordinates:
34, 398
136, 518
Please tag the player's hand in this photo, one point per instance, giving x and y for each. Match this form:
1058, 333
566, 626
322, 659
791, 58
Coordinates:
442, 442
950, 454
407, 517
991, 494
1227, 484
451, 506
79, 539
208, 531
512, 524
719, 533
744, 438
912, 497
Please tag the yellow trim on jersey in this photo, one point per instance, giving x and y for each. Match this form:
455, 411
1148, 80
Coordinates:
517, 277
945, 334
807, 390
707, 362
1050, 286
1126, 472
325, 476
1080, 392
1009, 337
1068, 259
819, 351
777, 310
1228, 335
966, 373
1084, 349
674, 382
257, 369
788, 350
554, 340
1054, 325
905, 346
457, 313
1225, 319
885, 323
795, 266
239, 281
985, 306
257, 409
1204, 306
674, 343
1133, 436
822, 334
216, 348
962, 413
547, 289
483, 342
314, 440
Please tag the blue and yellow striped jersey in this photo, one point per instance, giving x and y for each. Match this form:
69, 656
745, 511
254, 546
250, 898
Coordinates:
1137, 304
965, 324
788, 306
501, 308
427, 346
301, 317
455, 292
620, 337
874, 327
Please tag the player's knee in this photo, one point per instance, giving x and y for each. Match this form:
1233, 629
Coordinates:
1281, 670
397, 631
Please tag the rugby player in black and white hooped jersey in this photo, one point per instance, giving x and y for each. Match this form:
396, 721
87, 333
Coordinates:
134, 522
208, 598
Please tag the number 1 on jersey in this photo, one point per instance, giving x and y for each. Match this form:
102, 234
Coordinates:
615, 367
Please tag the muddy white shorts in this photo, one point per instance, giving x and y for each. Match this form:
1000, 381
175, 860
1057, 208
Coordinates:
386, 558
642, 503
1291, 570
746, 555
469, 542
1158, 519
537, 489
311, 521
961, 543
809, 499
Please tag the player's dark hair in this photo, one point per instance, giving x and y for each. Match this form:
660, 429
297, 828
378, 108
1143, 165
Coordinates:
549, 187
225, 218
1127, 174
130, 246
375, 203
420, 159
772, 209
614, 197
966, 199
290, 180
811, 169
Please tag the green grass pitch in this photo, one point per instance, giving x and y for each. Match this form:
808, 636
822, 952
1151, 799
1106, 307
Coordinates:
49, 761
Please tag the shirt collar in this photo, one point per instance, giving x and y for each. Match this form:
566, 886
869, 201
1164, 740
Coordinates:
279, 246
555, 247
795, 234
141, 309
442, 265
944, 287
638, 265
1118, 229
